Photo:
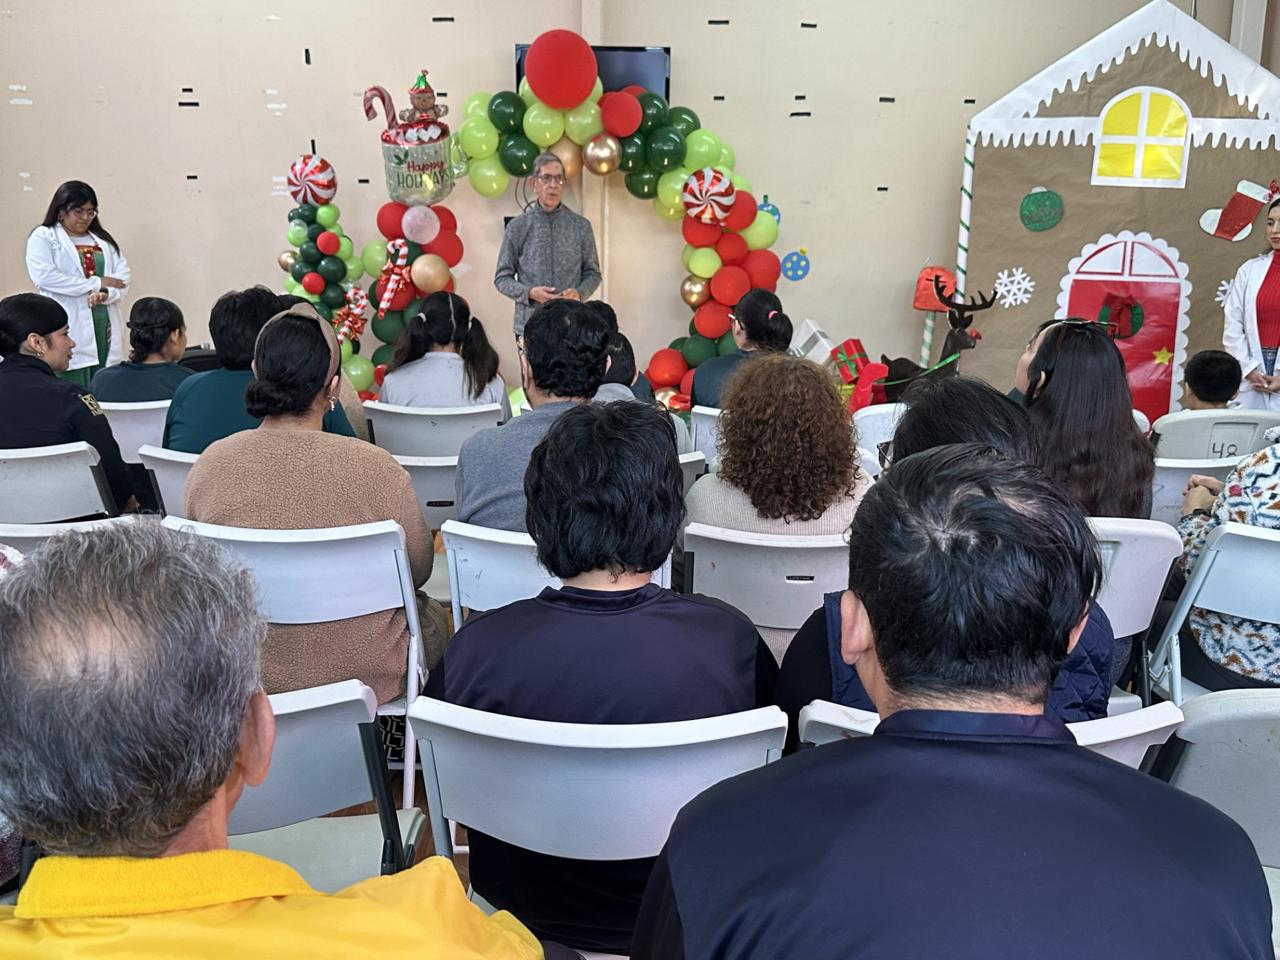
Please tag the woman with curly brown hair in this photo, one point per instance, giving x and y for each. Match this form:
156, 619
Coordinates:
788, 456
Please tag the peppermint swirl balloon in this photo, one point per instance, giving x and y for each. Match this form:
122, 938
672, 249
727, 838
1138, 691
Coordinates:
312, 180
708, 195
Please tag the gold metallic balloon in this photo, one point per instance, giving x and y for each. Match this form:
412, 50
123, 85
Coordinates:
429, 273
570, 155
695, 291
602, 154
287, 259
664, 394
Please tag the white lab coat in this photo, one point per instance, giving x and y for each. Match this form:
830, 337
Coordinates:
1240, 329
56, 270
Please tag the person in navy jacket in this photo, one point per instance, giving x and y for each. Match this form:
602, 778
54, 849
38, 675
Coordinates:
969, 825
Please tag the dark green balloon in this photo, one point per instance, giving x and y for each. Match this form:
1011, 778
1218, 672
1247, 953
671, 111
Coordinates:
677, 343
684, 120
383, 354
333, 269
653, 111
373, 294
726, 344
697, 349
333, 295
506, 110
414, 251
643, 184
516, 153
355, 346
693, 328
413, 309
299, 269
664, 148
633, 153
323, 309
388, 328
310, 252
304, 212
314, 231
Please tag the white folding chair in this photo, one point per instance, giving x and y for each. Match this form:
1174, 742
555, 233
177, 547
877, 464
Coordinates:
869, 462
1125, 738
603, 792
1141, 419
327, 757
704, 422
692, 465
876, 424
1170, 479
295, 574
432, 479
53, 484
168, 469
1213, 434
26, 537
428, 431
1235, 575
136, 425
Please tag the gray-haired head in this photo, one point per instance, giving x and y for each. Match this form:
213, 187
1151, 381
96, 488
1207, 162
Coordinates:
544, 158
128, 657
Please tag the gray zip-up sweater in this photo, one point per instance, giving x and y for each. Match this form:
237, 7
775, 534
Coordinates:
541, 249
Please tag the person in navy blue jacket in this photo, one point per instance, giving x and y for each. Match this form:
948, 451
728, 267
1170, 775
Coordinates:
969, 825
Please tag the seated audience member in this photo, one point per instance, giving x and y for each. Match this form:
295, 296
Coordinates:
157, 341
444, 359
40, 409
1074, 387
941, 412
620, 381
131, 720
289, 474
1220, 651
968, 825
1210, 381
604, 504
562, 362
640, 387
348, 396
10, 842
759, 326
211, 405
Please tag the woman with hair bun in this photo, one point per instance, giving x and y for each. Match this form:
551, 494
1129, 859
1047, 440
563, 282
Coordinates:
759, 327
289, 474
157, 341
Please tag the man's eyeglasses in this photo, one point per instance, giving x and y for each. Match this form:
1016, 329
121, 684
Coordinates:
884, 450
550, 179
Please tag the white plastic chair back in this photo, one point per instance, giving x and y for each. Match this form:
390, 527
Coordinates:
27, 537
704, 424
317, 765
606, 792
825, 722
692, 465
776, 580
170, 469
1141, 419
876, 424
1136, 556
428, 431
1232, 760
432, 479
869, 462
1213, 434
51, 484
136, 425
1170, 479
1235, 576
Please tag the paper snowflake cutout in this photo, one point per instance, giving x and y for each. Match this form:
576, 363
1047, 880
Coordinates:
1224, 290
1014, 287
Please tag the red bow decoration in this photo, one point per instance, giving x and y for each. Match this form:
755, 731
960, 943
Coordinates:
395, 274
349, 321
867, 378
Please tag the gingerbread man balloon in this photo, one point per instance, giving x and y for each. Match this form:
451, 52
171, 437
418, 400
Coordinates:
419, 122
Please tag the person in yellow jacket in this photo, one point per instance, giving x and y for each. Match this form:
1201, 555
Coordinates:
131, 719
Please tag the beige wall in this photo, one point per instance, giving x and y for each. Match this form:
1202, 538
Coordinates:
103, 83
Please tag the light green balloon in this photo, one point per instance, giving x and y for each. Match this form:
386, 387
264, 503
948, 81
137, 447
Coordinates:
477, 105
542, 124
359, 370
668, 211
583, 122
355, 269
671, 186
346, 249
762, 232
313, 297
527, 94
373, 256
727, 156
488, 178
292, 286
346, 350
705, 262
478, 137
327, 215
741, 183
701, 149
597, 91
297, 234
686, 253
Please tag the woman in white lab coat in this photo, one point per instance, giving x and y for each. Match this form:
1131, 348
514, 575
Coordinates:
72, 258
1251, 331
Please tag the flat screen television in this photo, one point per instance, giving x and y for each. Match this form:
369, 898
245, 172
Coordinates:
622, 66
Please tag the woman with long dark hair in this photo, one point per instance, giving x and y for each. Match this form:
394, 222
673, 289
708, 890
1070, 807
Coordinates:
1251, 328
1074, 387
444, 359
75, 260
157, 341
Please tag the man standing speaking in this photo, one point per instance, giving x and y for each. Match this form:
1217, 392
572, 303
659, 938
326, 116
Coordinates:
548, 251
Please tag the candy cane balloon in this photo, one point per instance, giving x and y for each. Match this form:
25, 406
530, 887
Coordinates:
395, 274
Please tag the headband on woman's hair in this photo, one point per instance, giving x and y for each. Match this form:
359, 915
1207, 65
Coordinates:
305, 311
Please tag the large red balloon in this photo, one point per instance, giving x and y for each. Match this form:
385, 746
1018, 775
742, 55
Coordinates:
404, 296
732, 249
729, 284
447, 220
764, 268
561, 68
449, 287
621, 113
699, 234
667, 368
635, 89
389, 217
329, 243
686, 382
313, 283
447, 246
743, 212
712, 321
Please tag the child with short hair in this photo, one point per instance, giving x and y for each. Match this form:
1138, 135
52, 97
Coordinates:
1211, 380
